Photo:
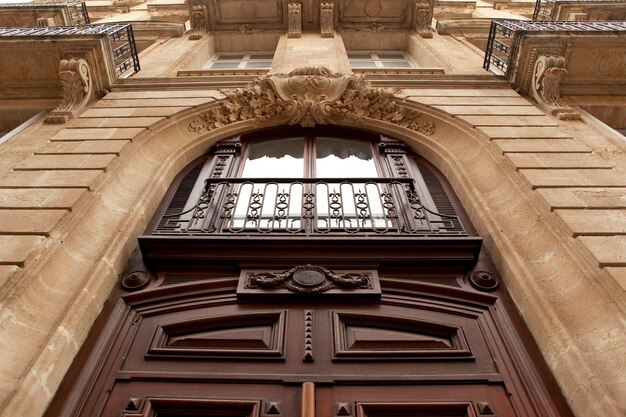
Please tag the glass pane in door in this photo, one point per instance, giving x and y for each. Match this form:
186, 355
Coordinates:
345, 204
269, 204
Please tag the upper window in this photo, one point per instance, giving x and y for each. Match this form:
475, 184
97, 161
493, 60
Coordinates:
380, 59
309, 183
240, 60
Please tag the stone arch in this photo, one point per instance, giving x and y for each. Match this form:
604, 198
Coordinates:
512, 222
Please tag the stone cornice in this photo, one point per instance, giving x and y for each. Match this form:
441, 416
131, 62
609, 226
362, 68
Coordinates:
404, 80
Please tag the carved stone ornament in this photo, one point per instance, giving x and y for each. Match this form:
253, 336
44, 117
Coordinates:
76, 82
376, 27
199, 20
546, 83
246, 29
308, 279
310, 96
326, 20
295, 20
423, 19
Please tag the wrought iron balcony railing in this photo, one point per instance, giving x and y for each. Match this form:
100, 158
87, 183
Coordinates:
119, 36
310, 206
504, 36
546, 10
77, 11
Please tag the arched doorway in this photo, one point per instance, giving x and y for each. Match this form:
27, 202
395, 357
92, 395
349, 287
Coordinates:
376, 310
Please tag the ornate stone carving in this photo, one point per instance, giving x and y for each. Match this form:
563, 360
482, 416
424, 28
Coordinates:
246, 29
310, 96
612, 64
76, 81
199, 20
326, 20
423, 19
295, 20
546, 82
376, 27
308, 279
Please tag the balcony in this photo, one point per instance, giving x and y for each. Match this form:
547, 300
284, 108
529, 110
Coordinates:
507, 38
589, 54
117, 41
43, 14
579, 10
367, 219
310, 206
64, 68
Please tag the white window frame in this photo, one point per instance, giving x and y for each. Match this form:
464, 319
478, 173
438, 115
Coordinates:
378, 59
242, 62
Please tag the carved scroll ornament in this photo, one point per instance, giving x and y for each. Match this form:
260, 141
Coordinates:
545, 89
310, 96
76, 82
308, 279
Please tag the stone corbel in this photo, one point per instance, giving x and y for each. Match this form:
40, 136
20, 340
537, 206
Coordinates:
295, 20
77, 83
546, 83
423, 19
326, 20
199, 19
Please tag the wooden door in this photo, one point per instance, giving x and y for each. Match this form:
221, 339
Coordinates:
431, 345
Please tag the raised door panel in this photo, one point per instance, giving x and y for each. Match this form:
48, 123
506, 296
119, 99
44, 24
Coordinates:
414, 401
253, 335
206, 399
373, 341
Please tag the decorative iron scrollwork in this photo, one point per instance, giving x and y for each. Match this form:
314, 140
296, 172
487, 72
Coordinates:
311, 206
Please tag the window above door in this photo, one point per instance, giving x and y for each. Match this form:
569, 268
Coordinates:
315, 182
329, 191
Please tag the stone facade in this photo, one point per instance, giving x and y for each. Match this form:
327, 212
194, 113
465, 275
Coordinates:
547, 194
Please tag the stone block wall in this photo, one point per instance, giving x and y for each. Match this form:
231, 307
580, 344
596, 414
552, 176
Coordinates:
546, 195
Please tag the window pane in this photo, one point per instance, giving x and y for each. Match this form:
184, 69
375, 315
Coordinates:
344, 158
358, 54
280, 158
224, 65
262, 55
396, 64
258, 64
391, 55
362, 64
236, 57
